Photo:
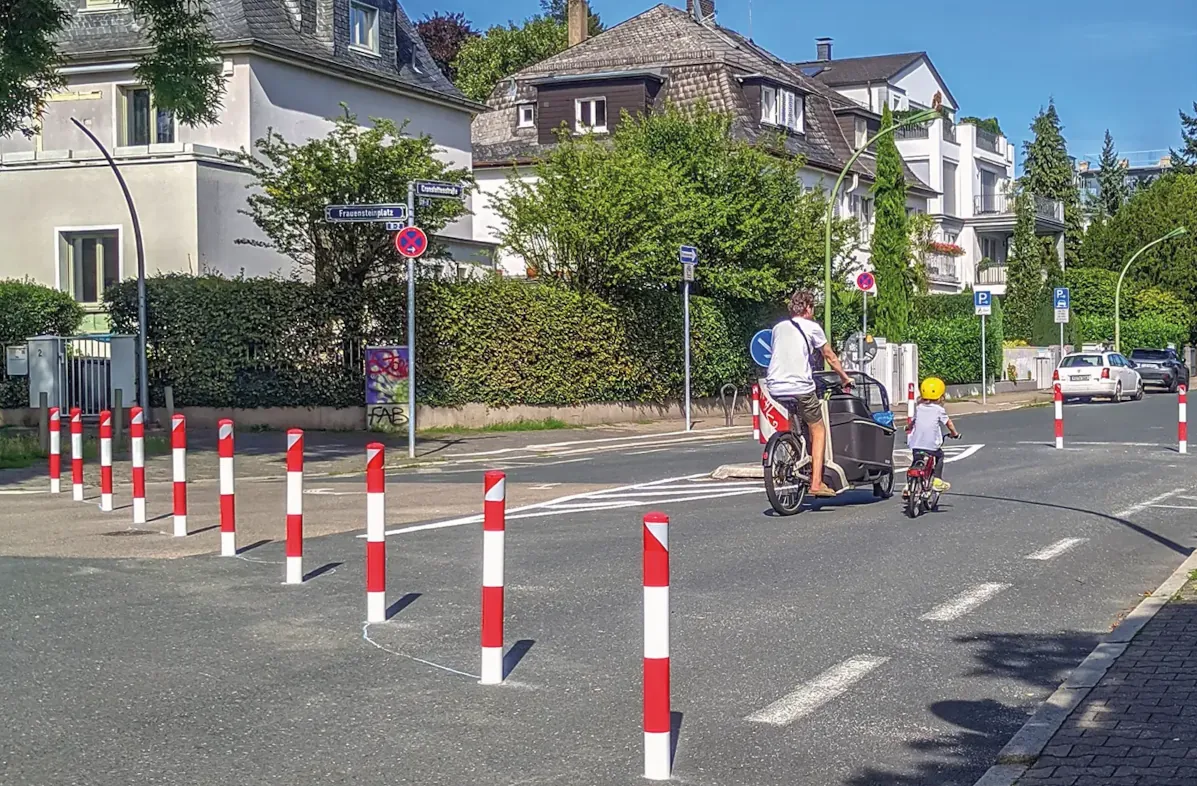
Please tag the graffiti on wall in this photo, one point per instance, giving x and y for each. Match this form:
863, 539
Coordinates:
387, 370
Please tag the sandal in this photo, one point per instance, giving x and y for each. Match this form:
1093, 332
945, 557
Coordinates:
822, 492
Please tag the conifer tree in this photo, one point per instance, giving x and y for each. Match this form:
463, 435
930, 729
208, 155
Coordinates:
1048, 172
891, 239
1111, 180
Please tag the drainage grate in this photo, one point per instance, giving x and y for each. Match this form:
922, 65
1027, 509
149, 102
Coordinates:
128, 533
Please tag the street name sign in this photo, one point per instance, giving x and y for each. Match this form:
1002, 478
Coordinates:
437, 189
364, 213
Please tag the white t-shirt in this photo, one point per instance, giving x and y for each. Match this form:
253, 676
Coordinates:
789, 372
927, 433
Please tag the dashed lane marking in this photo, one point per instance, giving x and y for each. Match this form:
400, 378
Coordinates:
1056, 549
807, 698
964, 602
1147, 503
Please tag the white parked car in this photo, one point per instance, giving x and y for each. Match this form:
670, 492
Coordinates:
1086, 375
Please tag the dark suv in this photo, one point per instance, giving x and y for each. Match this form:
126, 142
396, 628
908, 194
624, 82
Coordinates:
1160, 367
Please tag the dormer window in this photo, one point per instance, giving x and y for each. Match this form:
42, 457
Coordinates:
780, 107
590, 114
363, 27
862, 132
526, 115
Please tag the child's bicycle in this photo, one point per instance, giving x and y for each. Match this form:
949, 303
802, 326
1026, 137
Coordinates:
920, 494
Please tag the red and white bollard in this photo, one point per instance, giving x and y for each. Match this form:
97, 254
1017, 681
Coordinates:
494, 524
376, 545
55, 451
137, 448
228, 512
295, 506
178, 456
909, 401
657, 728
1059, 397
1182, 425
77, 454
756, 414
106, 461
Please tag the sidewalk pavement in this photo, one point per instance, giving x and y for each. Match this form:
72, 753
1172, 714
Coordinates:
1137, 726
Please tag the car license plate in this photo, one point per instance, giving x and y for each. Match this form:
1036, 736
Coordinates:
1150, 365
1079, 377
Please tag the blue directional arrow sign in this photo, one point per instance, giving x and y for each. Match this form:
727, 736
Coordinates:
761, 347
1061, 298
688, 255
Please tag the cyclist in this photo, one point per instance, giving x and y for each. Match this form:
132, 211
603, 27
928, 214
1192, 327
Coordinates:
924, 434
799, 346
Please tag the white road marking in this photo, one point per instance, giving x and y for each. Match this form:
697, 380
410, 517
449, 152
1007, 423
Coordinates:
544, 486
646, 452
1176, 507
1056, 549
1147, 503
809, 697
366, 637
714, 433
1099, 444
964, 602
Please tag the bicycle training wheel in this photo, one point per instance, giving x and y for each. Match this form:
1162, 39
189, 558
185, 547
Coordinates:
783, 487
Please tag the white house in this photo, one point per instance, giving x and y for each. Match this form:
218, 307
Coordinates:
667, 55
288, 64
970, 169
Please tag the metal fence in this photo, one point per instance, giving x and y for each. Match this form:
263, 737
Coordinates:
85, 373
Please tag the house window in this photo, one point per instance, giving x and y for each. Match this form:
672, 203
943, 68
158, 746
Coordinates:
862, 132
527, 115
781, 108
363, 27
145, 124
89, 263
590, 114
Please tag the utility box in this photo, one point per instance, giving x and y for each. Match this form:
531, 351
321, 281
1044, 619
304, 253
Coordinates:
123, 369
16, 360
44, 364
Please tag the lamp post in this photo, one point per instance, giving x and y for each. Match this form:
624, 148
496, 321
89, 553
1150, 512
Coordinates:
911, 120
1118, 290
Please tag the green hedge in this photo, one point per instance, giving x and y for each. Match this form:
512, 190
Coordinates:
1141, 332
27, 310
264, 342
948, 335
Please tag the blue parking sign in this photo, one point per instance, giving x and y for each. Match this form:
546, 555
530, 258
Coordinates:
982, 302
1061, 298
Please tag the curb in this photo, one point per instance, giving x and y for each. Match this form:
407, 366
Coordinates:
746, 471
1025, 747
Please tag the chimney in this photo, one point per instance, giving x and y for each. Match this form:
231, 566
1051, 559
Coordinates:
700, 9
822, 49
577, 21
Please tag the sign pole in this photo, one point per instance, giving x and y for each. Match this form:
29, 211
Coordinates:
686, 329
864, 329
984, 391
411, 329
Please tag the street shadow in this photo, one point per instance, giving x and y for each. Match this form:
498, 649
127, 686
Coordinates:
208, 528
1163, 541
251, 546
320, 571
516, 654
402, 604
675, 734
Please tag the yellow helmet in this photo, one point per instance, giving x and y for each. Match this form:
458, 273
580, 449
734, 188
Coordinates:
932, 389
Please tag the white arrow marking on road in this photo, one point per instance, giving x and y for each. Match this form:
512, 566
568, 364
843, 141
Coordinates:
1147, 503
1056, 549
809, 697
964, 602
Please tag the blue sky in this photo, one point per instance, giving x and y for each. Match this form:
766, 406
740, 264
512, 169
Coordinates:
1125, 66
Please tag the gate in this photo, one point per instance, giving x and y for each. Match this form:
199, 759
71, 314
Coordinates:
85, 373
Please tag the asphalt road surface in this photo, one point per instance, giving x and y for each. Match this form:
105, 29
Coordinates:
846, 645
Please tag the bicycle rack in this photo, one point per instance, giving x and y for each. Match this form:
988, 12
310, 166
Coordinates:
729, 412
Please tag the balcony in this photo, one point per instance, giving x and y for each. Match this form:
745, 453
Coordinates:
920, 131
987, 140
941, 268
949, 131
1003, 205
994, 274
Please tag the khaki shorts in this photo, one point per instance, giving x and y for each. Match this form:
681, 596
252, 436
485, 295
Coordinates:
808, 407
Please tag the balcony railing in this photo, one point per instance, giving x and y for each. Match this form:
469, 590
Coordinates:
949, 130
920, 131
1003, 205
941, 268
987, 140
994, 274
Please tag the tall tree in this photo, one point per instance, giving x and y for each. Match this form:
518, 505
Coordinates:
1024, 269
1185, 159
444, 35
559, 9
484, 61
182, 66
891, 239
1048, 172
1111, 180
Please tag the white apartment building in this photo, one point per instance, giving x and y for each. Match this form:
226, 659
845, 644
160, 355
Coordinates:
288, 64
970, 169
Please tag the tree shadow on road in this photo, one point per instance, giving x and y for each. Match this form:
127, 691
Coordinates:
961, 755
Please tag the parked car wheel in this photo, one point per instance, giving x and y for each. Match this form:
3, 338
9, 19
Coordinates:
1117, 397
1139, 392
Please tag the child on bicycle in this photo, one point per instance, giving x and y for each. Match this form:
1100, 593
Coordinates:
924, 434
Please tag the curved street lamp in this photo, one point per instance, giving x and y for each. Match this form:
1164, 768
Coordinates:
912, 120
1118, 290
